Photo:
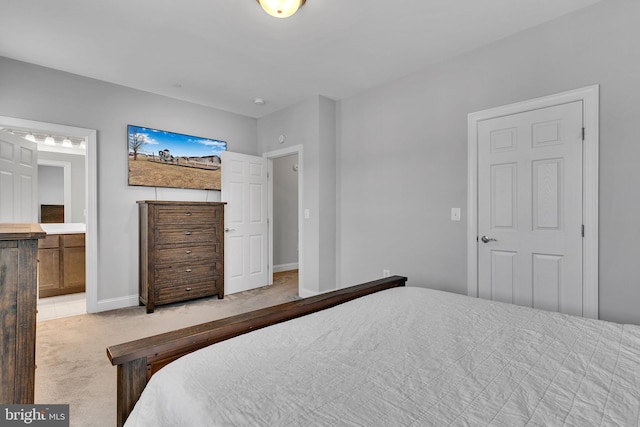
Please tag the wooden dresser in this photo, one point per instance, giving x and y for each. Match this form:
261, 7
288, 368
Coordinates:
181, 251
18, 301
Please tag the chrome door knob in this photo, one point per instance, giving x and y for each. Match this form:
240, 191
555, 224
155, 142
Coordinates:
486, 239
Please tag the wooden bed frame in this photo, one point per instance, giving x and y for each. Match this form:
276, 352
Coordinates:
138, 360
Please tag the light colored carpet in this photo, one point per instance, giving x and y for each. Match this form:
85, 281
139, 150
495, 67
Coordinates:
71, 358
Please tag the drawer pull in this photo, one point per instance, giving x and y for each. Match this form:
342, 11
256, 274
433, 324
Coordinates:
188, 289
187, 213
187, 252
187, 233
188, 270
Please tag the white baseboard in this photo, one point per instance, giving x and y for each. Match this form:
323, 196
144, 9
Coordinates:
133, 300
285, 267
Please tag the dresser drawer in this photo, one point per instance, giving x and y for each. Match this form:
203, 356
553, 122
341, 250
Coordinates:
186, 291
187, 215
188, 253
185, 272
165, 236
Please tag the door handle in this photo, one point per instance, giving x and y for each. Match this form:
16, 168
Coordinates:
486, 239
227, 230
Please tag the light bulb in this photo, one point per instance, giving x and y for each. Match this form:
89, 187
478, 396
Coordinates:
281, 8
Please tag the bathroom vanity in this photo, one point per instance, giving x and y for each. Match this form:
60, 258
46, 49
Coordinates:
61, 255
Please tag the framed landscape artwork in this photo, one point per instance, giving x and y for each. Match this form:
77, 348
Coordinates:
158, 158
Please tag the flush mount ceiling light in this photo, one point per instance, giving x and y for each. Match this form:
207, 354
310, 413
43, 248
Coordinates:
281, 8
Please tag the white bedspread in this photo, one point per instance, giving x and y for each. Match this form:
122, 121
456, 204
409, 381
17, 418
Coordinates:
407, 357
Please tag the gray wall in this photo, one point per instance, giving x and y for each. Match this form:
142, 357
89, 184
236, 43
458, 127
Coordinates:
312, 125
285, 212
36, 93
78, 179
394, 156
402, 151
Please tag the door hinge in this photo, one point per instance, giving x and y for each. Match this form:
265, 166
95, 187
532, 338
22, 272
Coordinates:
583, 133
582, 230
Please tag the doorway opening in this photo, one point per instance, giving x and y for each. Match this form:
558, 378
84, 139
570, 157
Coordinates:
54, 187
285, 213
285, 164
88, 209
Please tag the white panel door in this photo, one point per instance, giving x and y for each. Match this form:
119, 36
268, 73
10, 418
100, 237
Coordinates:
18, 179
530, 208
244, 189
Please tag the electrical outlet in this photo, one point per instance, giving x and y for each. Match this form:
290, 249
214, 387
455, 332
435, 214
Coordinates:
386, 273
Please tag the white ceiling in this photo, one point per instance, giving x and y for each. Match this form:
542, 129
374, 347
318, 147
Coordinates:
225, 53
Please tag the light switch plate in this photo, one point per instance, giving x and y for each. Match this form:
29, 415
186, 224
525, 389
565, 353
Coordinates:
455, 214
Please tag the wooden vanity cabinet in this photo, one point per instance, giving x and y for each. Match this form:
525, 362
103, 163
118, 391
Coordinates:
181, 251
73, 262
18, 300
48, 265
62, 264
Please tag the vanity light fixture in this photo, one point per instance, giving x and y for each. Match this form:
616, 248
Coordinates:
281, 8
49, 140
66, 142
30, 137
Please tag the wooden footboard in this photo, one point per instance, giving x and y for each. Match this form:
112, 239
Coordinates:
138, 360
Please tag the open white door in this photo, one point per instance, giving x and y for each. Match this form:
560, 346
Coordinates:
244, 189
18, 179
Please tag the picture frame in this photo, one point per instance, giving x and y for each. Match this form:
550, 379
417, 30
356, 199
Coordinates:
159, 158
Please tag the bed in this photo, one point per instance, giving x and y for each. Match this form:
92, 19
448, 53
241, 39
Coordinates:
381, 353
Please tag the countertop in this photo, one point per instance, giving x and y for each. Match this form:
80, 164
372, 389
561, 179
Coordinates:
65, 228
20, 231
